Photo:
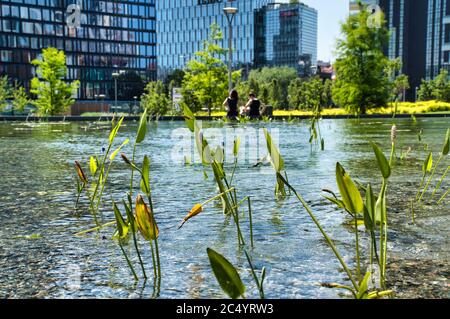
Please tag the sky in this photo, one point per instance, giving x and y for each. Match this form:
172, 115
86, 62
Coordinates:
331, 13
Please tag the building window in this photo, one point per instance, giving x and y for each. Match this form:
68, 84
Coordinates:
446, 56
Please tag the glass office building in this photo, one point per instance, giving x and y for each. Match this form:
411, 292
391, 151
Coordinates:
113, 35
183, 25
419, 35
286, 35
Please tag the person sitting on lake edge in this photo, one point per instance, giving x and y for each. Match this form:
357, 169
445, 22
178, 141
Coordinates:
231, 105
254, 107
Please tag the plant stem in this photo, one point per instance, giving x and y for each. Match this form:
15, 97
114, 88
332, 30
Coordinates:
324, 234
443, 196
153, 260
420, 186
440, 182
382, 233
95, 228
258, 284
128, 261
234, 170
99, 180
431, 176
132, 173
358, 263
250, 220
139, 254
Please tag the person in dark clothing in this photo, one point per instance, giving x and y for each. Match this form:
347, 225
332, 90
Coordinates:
254, 106
231, 104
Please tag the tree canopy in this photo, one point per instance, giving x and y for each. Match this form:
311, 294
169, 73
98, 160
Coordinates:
54, 95
360, 66
205, 83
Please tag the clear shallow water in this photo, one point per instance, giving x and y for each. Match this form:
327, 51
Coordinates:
37, 196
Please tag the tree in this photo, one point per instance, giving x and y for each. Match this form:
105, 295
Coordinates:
425, 92
205, 83
327, 93
5, 92
20, 99
437, 89
441, 87
155, 99
295, 94
54, 95
270, 84
361, 81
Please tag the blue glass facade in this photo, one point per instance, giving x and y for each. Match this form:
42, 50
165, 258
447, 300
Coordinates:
286, 34
183, 25
113, 35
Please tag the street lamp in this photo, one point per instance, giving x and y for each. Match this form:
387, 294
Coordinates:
230, 13
135, 103
115, 76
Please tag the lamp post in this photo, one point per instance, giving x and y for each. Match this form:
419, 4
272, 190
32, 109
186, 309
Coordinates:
230, 13
115, 76
135, 103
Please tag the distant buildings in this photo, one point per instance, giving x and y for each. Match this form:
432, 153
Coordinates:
183, 26
112, 36
420, 36
286, 35
263, 33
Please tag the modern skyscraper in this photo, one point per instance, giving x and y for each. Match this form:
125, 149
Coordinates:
419, 35
183, 25
286, 34
113, 35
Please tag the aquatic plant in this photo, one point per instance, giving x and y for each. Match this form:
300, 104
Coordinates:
228, 277
81, 181
99, 167
372, 211
445, 150
144, 215
277, 162
215, 159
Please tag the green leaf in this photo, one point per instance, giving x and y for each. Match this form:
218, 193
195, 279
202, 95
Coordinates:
145, 181
122, 227
428, 164
226, 274
114, 154
275, 157
142, 130
219, 155
383, 163
350, 194
114, 131
93, 166
130, 216
369, 209
237, 144
189, 118
380, 208
363, 286
446, 148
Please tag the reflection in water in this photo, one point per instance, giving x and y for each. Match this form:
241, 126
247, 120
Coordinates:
37, 197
